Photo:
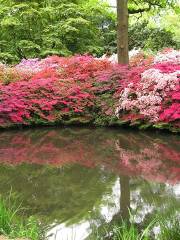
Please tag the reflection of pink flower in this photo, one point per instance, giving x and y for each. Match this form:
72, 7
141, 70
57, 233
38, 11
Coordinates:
149, 158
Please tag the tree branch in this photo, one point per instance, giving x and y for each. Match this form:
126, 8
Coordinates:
146, 9
139, 10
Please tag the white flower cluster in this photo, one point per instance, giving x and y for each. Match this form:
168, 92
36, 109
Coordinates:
172, 56
161, 81
114, 58
150, 93
2, 66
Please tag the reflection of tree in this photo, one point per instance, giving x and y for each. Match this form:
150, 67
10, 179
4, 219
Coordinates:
124, 200
125, 197
149, 199
145, 200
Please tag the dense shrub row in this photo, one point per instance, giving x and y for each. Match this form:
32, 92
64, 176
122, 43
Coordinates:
82, 89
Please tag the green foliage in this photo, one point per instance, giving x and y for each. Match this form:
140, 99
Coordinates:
153, 6
124, 232
11, 225
169, 229
154, 38
34, 28
170, 21
7, 57
29, 229
40, 28
6, 217
143, 36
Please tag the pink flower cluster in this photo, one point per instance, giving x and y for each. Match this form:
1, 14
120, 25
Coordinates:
29, 67
154, 95
32, 65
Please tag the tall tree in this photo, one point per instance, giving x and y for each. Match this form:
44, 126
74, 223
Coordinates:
126, 7
122, 31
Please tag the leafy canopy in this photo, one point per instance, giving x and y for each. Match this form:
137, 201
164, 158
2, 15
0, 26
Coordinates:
48, 27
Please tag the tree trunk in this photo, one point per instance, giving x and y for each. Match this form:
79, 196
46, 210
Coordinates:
122, 32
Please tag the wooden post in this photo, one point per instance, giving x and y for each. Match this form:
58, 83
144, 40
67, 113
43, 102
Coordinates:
122, 32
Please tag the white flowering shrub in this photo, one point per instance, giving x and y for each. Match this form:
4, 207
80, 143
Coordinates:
170, 56
153, 93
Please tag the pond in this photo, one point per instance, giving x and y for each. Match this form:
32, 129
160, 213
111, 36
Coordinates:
78, 179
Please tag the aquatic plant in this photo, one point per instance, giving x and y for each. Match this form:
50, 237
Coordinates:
169, 228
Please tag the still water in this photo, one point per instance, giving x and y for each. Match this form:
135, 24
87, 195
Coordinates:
78, 179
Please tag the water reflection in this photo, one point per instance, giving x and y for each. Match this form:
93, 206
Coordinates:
79, 179
149, 155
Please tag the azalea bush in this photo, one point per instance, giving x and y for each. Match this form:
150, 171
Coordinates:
152, 93
51, 90
83, 89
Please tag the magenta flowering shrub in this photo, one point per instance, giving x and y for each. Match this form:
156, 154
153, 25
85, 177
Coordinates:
58, 90
82, 89
23, 100
42, 100
171, 107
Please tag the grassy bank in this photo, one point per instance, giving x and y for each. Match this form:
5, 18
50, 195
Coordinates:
13, 226
158, 229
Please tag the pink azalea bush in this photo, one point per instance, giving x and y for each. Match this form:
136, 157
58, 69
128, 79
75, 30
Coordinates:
58, 90
153, 94
82, 89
